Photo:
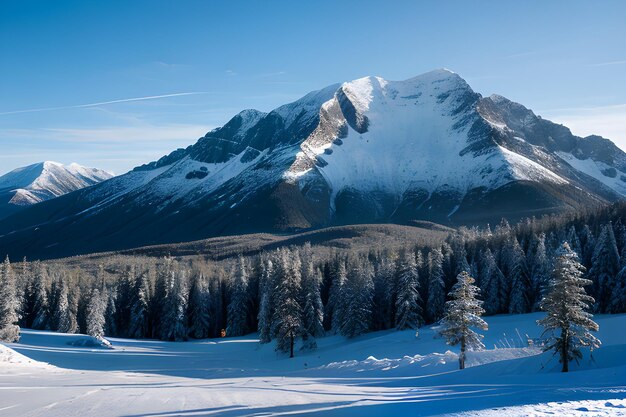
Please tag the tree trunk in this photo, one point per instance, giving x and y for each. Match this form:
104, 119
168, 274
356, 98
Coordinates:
462, 355
291, 341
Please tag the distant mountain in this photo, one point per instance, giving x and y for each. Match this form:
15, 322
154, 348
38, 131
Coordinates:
39, 182
365, 151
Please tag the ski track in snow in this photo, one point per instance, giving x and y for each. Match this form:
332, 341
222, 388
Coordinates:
382, 373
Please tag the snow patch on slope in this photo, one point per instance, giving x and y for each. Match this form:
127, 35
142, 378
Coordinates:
597, 170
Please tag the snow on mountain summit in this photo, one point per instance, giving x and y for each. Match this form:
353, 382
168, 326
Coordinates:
45, 180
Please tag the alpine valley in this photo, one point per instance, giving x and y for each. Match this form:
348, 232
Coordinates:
365, 151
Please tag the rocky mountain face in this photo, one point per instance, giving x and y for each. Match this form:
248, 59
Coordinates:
43, 181
365, 151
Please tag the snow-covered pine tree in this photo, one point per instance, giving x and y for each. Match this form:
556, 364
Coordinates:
539, 270
574, 241
588, 245
239, 302
267, 288
95, 314
357, 298
566, 304
9, 304
408, 301
518, 277
174, 325
618, 298
312, 308
436, 286
63, 316
41, 312
604, 267
336, 302
287, 320
110, 328
157, 301
491, 279
124, 300
384, 293
200, 308
140, 305
462, 316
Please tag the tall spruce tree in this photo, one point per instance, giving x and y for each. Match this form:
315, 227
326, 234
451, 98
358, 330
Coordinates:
140, 304
200, 308
357, 296
96, 314
436, 286
9, 304
336, 302
462, 316
408, 300
604, 267
267, 288
518, 277
174, 325
312, 308
41, 308
239, 304
567, 324
491, 279
287, 320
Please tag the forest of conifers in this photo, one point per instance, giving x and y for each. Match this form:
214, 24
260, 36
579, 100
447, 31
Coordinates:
304, 293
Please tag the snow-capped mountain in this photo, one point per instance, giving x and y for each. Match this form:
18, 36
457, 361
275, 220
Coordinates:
39, 182
369, 150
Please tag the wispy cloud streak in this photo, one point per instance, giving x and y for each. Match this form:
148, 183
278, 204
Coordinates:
104, 103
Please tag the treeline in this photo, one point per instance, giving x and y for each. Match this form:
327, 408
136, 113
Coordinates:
295, 295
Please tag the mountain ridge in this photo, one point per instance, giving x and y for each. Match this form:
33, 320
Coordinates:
365, 151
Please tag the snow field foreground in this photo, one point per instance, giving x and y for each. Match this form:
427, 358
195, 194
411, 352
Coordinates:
383, 373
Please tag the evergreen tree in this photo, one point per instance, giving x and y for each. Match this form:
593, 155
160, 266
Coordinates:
9, 304
539, 270
336, 301
200, 308
267, 292
239, 304
41, 311
408, 309
175, 309
518, 276
65, 321
604, 267
313, 310
436, 286
287, 320
565, 304
95, 315
357, 298
491, 279
462, 316
588, 245
110, 327
140, 304
384, 293
618, 299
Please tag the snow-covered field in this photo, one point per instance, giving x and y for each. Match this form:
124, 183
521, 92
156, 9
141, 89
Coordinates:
385, 373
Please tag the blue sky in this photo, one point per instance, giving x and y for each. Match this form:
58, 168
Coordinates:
190, 65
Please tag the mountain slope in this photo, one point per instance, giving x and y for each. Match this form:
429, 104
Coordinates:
365, 151
43, 181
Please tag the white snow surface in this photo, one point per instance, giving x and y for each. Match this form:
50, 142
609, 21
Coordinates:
42, 181
382, 373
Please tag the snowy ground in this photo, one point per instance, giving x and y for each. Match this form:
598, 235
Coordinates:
384, 373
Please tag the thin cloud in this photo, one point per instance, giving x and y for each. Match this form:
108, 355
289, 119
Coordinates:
104, 103
610, 63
